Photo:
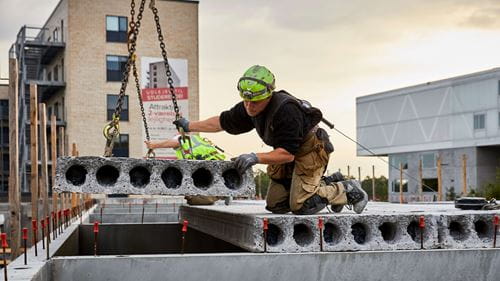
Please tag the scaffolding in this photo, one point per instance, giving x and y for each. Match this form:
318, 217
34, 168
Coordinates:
34, 49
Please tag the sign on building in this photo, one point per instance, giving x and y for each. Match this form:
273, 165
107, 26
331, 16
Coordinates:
157, 99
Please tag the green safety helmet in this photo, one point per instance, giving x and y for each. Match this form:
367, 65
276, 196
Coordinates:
256, 84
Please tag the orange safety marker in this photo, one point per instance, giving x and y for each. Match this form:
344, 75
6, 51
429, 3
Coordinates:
184, 230
34, 225
421, 225
495, 223
25, 242
320, 227
96, 232
43, 233
3, 237
265, 227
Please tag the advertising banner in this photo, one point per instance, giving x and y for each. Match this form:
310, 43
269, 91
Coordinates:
157, 99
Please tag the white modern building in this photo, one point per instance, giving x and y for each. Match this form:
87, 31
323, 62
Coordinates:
448, 118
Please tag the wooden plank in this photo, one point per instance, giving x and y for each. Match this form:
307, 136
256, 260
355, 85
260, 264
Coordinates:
420, 180
14, 192
62, 152
44, 179
401, 198
440, 180
464, 175
34, 150
374, 197
53, 150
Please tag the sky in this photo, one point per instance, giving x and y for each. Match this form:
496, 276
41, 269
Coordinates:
326, 51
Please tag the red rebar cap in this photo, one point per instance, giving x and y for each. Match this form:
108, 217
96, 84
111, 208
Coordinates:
320, 223
43, 223
266, 224
495, 220
34, 223
185, 226
25, 233
96, 227
59, 213
421, 222
47, 221
3, 237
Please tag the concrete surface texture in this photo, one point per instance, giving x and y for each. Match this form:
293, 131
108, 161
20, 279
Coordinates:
134, 218
383, 226
143, 176
433, 265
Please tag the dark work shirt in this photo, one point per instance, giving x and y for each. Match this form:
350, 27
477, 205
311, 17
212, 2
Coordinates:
290, 125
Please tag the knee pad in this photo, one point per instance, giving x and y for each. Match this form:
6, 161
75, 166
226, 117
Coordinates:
312, 205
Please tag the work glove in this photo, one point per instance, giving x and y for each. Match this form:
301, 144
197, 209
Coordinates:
182, 123
245, 161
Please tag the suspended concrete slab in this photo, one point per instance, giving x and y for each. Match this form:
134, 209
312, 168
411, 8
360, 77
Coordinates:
383, 226
143, 176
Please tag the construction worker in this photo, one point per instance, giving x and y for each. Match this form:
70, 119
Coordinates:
191, 147
300, 148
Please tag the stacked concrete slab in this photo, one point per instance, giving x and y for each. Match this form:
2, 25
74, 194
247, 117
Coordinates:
381, 227
143, 176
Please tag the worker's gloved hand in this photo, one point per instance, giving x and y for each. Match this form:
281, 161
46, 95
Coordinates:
245, 161
182, 123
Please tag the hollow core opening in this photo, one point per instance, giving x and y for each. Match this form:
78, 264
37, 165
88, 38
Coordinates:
232, 179
76, 175
172, 177
331, 233
139, 176
302, 234
389, 231
202, 178
274, 235
482, 228
457, 230
107, 175
414, 231
360, 232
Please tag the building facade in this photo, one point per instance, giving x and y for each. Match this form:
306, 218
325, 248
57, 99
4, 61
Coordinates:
455, 120
77, 59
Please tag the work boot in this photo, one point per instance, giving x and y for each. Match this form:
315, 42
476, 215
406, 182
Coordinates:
312, 205
333, 178
356, 196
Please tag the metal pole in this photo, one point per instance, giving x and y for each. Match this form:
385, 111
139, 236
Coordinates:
421, 180
464, 175
374, 197
401, 199
440, 183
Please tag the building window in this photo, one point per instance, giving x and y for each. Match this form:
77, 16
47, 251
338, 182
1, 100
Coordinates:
430, 185
116, 29
4, 109
115, 66
120, 148
399, 159
395, 185
428, 160
56, 73
55, 35
111, 106
479, 121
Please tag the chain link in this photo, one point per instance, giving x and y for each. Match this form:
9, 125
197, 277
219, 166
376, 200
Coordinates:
165, 60
111, 131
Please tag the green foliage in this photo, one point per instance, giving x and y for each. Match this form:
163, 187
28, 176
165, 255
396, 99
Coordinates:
261, 184
450, 194
381, 187
492, 190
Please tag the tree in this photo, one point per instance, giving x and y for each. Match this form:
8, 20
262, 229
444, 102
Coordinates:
381, 187
261, 184
492, 190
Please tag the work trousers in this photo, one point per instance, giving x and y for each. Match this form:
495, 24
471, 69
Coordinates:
293, 183
201, 200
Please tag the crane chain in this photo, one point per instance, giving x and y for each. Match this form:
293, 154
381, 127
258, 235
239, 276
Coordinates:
165, 60
111, 131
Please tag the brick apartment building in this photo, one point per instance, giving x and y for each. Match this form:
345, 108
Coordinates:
77, 59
